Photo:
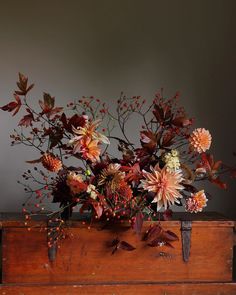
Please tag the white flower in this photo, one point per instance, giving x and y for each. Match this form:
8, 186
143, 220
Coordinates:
171, 160
91, 190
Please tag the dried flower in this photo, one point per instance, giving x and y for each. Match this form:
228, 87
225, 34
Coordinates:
200, 140
111, 177
165, 184
196, 202
51, 162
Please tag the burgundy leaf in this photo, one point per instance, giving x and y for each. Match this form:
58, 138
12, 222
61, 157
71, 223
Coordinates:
181, 122
13, 105
126, 246
169, 236
153, 232
27, 119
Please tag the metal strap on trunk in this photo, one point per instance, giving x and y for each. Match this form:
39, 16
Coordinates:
186, 228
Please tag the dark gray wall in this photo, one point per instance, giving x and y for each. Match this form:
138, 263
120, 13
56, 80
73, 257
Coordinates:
74, 48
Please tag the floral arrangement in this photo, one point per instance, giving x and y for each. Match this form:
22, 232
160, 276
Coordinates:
161, 172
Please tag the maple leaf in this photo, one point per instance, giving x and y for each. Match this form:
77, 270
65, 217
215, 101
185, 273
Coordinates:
211, 168
22, 84
27, 119
13, 105
47, 105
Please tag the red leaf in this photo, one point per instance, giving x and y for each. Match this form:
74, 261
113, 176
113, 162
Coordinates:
153, 232
97, 208
169, 236
181, 122
27, 119
47, 105
13, 105
218, 182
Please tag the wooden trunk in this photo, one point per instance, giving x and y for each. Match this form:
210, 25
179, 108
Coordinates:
200, 262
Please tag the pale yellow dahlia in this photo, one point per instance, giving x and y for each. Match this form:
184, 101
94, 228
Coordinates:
196, 202
200, 140
51, 162
165, 184
111, 177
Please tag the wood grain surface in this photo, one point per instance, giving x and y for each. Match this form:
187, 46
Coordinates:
84, 257
144, 289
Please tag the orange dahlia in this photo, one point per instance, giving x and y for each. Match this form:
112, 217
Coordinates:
200, 140
165, 184
75, 183
51, 162
89, 149
196, 202
88, 132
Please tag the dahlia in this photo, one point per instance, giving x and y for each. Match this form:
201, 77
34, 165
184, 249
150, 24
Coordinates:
51, 162
165, 184
75, 183
196, 202
87, 132
111, 177
90, 150
200, 140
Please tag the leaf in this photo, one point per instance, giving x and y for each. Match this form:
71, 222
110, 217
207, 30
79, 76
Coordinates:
22, 84
35, 161
47, 105
181, 122
158, 113
126, 246
55, 137
218, 182
114, 242
167, 139
169, 236
149, 140
13, 105
97, 208
156, 242
153, 232
138, 223
27, 119
75, 121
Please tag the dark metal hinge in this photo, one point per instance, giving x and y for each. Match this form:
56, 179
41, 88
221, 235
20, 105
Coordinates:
186, 228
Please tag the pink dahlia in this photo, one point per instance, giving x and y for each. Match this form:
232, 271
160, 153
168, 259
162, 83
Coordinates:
165, 184
196, 202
